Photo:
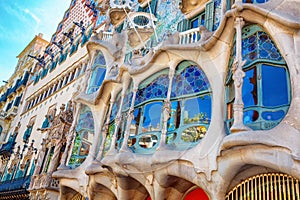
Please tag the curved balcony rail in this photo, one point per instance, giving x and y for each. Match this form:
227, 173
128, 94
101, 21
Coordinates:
183, 138
44, 180
189, 36
144, 143
262, 118
141, 20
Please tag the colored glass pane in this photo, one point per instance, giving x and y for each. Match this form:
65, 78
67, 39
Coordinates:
157, 89
274, 86
189, 81
152, 116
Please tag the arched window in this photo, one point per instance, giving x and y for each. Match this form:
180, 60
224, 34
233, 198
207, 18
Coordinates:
84, 137
266, 87
98, 74
147, 122
190, 105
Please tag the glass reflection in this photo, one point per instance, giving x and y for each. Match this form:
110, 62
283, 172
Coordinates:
152, 117
250, 88
250, 116
148, 141
274, 86
193, 134
197, 110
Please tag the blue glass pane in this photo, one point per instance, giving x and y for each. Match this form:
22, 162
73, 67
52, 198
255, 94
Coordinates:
250, 116
273, 115
85, 120
99, 60
249, 90
127, 98
274, 86
197, 110
189, 81
115, 108
158, 88
195, 23
152, 116
97, 79
259, 46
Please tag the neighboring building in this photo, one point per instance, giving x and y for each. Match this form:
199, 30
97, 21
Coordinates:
166, 99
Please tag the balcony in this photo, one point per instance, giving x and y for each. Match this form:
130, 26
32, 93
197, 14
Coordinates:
187, 6
118, 11
189, 36
12, 112
140, 28
44, 181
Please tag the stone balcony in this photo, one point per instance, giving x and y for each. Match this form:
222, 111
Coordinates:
12, 112
44, 181
118, 11
189, 36
140, 27
187, 6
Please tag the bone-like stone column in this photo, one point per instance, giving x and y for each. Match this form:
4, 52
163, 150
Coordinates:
124, 147
167, 109
238, 77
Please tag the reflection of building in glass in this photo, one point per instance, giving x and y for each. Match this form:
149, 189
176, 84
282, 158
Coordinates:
133, 102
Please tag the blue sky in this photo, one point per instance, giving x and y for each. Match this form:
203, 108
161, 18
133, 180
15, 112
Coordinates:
20, 21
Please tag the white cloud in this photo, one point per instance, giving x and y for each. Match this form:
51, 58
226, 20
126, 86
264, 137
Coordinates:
36, 19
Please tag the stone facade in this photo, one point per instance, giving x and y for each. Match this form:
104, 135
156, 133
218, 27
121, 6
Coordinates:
166, 99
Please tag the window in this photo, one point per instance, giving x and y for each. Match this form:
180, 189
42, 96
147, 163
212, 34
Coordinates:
98, 74
265, 102
190, 105
84, 137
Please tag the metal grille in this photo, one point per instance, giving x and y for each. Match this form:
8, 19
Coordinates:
272, 186
78, 196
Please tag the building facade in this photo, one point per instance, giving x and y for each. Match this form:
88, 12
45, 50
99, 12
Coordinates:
160, 99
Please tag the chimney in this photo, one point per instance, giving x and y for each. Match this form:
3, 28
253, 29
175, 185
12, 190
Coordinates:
40, 35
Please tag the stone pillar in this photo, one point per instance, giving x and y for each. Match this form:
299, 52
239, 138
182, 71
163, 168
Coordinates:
106, 126
167, 109
238, 77
124, 147
118, 121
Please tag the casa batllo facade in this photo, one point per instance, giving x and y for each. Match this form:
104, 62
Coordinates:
160, 99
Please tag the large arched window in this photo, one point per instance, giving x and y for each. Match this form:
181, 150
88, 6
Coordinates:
84, 137
98, 74
266, 87
190, 105
147, 122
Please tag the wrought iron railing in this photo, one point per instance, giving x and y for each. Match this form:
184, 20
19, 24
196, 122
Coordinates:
269, 186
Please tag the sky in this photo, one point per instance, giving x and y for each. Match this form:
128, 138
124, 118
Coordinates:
20, 21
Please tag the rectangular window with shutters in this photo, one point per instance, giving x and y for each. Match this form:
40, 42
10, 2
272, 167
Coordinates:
209, 15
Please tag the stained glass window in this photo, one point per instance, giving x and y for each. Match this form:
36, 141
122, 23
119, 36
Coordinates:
266, 84
190, 105
156, 87
84, 137
189, 80
98, 74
